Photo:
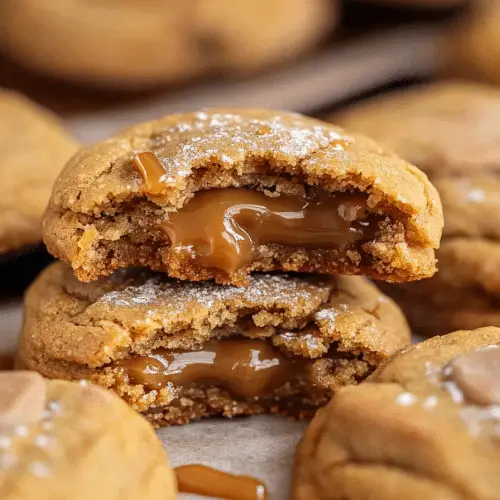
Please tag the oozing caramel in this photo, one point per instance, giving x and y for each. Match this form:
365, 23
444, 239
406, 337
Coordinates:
247, 368
203, 480
151, 170
220, 228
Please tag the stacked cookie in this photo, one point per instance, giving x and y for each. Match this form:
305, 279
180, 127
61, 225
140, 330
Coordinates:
188, 239
449, 130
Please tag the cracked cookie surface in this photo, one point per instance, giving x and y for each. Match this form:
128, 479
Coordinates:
325, 332
104, 215
424, 425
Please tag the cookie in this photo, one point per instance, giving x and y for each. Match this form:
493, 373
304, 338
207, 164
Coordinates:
444, 128
33, 149
465, 293
178, 351
424, 425
470, 48
133, 45
69, 440
450, 131
429, 4
271, 190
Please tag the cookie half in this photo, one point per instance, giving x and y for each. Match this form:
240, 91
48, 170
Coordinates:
75, 440
33, 150
450, 131
135, 45
424, 425
220, 193
177, 351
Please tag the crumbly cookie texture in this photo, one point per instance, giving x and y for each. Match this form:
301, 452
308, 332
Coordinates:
76, 440
424, 425
102, 216
33, 150
161, 41
337, 330
449, 131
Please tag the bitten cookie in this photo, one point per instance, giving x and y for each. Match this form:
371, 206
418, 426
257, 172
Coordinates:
424, 425
69, 440
449, 130
127, 45
220, 193
178, 350
33, 149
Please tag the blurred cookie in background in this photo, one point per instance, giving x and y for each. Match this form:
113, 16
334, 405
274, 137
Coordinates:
130, 45
433, 4
33, 149
75, 440
472, 48
450, 130
445, 128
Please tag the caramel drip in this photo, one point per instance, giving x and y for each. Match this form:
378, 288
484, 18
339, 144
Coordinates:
221, 228
203, 480
247, 368
152, 171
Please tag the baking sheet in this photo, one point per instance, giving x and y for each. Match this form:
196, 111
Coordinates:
259, 446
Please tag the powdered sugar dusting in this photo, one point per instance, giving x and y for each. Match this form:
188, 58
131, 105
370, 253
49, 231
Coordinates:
180, 295
227, 138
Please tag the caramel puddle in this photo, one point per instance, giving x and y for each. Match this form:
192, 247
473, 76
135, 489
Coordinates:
202, 480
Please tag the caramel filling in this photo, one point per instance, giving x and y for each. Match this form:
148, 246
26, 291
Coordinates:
151, 170
247, 368
221, 228
203, 480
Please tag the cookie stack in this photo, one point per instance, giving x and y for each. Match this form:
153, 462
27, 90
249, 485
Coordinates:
450, 131
189, 238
